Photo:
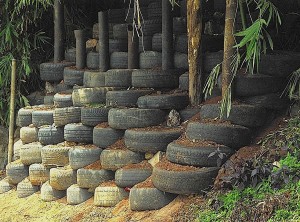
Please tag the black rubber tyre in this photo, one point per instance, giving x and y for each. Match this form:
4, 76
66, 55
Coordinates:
63, 99
86, 96
38, 174
64, 116
62, 178
150, 59
49, 100
130, 13
181, 44
188, 113
55, 155
61, 87
70, 55
50, 194
213, 43
77, 195
244, 115
118, 45
151, 140
120, 31
125, 98
25, 189
93, 116
145, 43
179, 25
157, 42
5, 186
273, 101
131, 177
42, 117
181, 61
119, 60
81, 156
211, 59
51, 135
155, 10
255, 85
29, 134
116, 15
106, 136
192, 181
155, 78
135, 118
118, 78
219, 5
53, 72
164, 101
279, 63
76, 132
148, 198
233, 136
91, 178
113, 159
92, 60
94, 79
184, 82
31, 153
24, 117
16, 172
109, 196
150, 27
73, 76
183, 9
196, 155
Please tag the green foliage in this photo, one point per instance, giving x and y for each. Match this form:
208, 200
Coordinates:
293, 87
255, 40
278, 192
20, 39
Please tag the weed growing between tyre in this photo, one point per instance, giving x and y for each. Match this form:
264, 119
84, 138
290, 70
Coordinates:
264, 188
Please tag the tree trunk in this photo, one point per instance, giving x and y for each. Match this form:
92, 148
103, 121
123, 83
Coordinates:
194, 23
227, 75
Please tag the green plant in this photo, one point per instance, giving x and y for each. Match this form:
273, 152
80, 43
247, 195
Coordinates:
255, 40
20, 38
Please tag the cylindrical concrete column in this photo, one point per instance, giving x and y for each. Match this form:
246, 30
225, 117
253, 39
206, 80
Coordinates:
59, 31
133, 48
103, 41
80, 48
167, 36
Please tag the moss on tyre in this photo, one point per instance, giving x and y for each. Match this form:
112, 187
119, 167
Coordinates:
230, 135
94, 79
150, 139
179, 179
241, 114
62, 178
48, 193
53, 72
135, 118
197, 155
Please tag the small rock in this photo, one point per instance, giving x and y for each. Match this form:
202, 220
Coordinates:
156, 158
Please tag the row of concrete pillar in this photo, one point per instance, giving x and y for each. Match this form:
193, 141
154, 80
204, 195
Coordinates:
133, 42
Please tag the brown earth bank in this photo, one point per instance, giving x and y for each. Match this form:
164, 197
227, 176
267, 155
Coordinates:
33, 209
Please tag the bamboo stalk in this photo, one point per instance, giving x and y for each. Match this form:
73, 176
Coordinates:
12, 110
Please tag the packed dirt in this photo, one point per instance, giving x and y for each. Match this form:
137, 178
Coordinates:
33, 209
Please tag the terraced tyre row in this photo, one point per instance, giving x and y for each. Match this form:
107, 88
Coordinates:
51, 135
93, 116
109, 196
16, 172
78, 133
25, 189
64, 116
48, 193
